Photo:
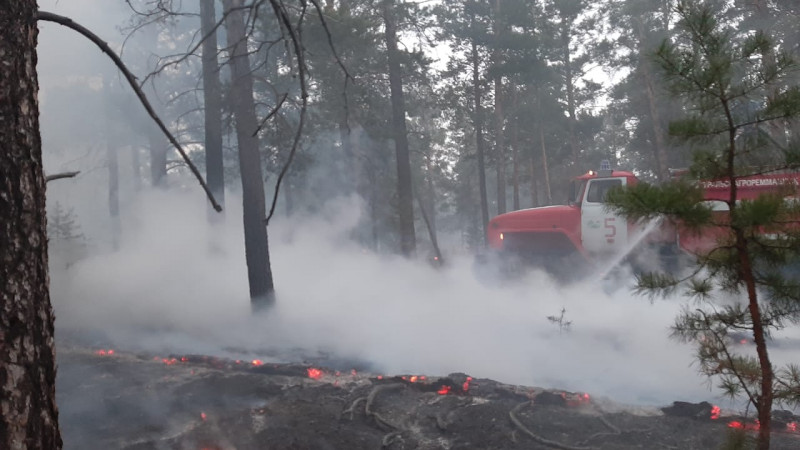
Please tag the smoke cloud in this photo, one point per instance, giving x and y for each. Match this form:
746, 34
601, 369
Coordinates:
177, 285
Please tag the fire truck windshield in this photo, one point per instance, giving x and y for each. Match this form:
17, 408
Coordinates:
576, 188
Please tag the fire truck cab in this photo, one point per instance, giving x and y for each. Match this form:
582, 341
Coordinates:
581, 230
567, 237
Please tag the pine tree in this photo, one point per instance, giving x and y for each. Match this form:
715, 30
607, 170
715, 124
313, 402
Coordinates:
732, 94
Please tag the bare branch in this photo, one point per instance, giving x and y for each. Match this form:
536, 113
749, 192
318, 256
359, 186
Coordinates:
271, 113
69, 23
58, 176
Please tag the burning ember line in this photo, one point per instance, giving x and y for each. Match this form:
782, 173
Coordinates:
715, 411
313, 373
465, 386
257, 362
791, 427
103, 352
444, 390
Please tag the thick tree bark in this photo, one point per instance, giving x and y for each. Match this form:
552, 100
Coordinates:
500, 151
212, 101
479, 144
28, 413
259, 272
405, 200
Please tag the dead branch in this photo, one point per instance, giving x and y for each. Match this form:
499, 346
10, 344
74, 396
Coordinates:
58, 176
69, 23
390, 438
352, 408
513, 415
271, 113
283, 16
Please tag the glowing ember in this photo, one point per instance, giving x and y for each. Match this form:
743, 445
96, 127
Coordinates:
380, 377
353, 372
791, 426
444, 390
169, 361
735, 424
257, 362
101, 352
413, 379
465, 386
715, 412
314, 374
743, 341
203, 415
184, 359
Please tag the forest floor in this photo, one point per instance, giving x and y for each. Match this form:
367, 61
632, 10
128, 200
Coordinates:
136, 402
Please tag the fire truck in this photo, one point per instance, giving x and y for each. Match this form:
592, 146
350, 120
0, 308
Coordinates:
584, 234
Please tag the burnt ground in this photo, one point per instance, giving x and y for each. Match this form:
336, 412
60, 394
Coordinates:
137, 402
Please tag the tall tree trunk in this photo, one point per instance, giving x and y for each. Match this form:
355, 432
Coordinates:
545, 168
28, 413
212, 105
405, 198
158, 159
515, 150
569, 84
112, 165
662, 165
112, 160
259, 272
479, 143
500, 151
533, 186
431, 195
136, 162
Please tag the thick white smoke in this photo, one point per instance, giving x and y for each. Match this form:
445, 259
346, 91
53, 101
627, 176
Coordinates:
178, 286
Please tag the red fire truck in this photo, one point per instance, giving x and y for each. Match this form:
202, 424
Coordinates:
584, 233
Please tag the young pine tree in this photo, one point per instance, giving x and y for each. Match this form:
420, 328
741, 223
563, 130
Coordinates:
738, 103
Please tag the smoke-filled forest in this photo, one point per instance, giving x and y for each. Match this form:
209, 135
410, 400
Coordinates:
267, 205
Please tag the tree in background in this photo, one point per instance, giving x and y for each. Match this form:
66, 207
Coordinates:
747, 283
405, 194
212, 103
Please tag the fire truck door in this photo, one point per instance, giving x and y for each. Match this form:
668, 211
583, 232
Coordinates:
602, 231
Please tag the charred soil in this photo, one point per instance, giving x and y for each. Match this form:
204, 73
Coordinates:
137, 402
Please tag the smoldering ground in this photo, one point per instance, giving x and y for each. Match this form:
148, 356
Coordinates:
177, 285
